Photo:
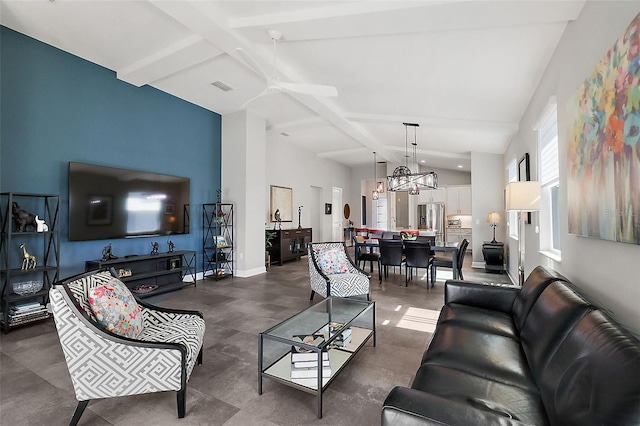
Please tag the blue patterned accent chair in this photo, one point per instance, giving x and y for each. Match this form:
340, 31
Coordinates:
103, 364
333, 273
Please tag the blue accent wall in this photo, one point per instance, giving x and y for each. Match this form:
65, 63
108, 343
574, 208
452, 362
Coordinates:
56, 107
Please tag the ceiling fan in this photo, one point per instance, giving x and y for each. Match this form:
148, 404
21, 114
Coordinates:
274, 85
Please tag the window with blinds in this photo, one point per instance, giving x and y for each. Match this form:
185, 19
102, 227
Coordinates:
512, 172
548, 175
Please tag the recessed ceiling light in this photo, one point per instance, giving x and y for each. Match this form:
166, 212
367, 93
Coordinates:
422, 161
460, 166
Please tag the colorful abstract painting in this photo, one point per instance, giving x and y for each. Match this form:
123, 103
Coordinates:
603, 153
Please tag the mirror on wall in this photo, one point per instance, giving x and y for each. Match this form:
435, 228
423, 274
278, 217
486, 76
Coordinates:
347, 211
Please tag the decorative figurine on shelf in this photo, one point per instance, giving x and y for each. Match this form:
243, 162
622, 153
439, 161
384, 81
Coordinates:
278, 219
106, 253
29, 260
299, 216
22, 218
220, 217
40, 225
171, 246
154, 248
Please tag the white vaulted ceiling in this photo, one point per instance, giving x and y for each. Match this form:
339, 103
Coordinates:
464, 70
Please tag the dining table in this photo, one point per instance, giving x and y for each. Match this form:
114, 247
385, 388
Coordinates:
372, 243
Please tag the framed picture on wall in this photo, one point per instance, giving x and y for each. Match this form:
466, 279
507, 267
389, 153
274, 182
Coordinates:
282, 201
327, 208
524, 175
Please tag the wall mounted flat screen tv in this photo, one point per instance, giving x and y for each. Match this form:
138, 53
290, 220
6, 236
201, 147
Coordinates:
108, 202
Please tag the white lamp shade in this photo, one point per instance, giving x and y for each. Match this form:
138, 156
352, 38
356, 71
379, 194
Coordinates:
493, 218
523, 196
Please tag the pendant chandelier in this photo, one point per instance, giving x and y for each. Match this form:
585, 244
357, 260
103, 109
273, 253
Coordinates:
375, 194
405, 180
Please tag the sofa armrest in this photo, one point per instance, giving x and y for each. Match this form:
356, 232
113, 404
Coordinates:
480, 295
405, 406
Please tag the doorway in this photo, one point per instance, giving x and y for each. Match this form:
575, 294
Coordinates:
315, 215
336, 214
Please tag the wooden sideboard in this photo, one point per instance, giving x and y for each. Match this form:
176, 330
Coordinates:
289, 244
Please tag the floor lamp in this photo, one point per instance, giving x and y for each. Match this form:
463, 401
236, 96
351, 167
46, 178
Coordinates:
522, 197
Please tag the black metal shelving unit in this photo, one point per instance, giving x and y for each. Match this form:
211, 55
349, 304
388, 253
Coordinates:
45, 246
217, 240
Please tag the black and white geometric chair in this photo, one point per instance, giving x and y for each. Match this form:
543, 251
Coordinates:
333, 273
103, 364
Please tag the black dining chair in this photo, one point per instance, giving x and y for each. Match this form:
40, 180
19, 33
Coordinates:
418, 255
445, 262
390, 255
428, 238
366, 254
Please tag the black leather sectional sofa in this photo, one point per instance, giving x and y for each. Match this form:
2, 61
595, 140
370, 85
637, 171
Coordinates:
539, 355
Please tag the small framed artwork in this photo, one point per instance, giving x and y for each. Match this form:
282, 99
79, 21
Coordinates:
281, 203
327, 208
524, 175
220, 241
169, 208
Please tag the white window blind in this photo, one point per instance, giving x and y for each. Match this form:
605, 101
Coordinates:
513, 171
548, 145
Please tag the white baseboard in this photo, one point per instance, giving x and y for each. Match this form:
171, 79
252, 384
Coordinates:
478, 265
251, 272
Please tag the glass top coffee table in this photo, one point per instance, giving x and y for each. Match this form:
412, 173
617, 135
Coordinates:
308, 350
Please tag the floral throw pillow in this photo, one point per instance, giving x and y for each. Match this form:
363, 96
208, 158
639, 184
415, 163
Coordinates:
116, 309
331, 261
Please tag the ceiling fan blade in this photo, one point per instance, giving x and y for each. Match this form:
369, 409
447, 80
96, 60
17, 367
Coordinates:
308, 89
251, 62
264, 92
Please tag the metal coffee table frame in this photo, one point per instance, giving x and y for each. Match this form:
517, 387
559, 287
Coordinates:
274, 344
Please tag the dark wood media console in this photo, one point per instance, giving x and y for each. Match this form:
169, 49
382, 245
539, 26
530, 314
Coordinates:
289, 244
166, 270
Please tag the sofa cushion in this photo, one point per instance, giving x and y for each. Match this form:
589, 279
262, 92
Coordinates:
534, 285
79, 289
594, 376
116, 309
487, 320
513, 402
484, 354
554, 313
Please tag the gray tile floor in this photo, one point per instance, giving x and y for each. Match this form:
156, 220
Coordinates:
35, 388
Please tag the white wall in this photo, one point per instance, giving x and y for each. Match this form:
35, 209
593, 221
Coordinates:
450, 177
243, 153
487, 184
297, 168
606, 271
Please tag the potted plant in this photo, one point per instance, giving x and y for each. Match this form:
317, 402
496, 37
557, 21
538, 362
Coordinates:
268, 236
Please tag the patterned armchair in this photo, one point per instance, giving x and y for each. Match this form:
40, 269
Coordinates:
103, 364
333, 273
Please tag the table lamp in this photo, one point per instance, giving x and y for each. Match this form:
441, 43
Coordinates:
522, 197
493, 220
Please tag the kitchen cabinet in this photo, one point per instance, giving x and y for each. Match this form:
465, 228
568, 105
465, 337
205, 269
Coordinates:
459, 200
433, 196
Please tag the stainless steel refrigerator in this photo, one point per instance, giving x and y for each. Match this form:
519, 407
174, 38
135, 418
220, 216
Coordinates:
431, 218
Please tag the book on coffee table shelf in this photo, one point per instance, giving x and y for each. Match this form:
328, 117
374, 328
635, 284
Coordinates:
308, 372
308, 364
307, 356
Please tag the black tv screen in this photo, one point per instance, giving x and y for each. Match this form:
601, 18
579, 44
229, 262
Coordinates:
109, 202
